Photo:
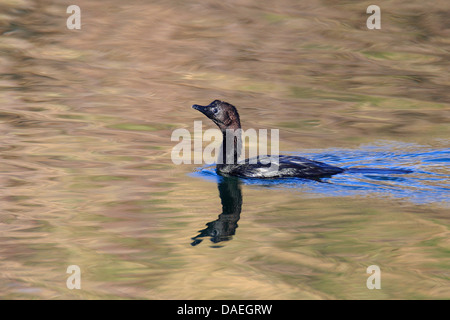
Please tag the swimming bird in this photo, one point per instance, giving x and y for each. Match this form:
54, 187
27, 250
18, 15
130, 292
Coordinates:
226, 117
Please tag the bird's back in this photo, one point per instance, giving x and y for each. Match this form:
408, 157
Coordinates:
279, 167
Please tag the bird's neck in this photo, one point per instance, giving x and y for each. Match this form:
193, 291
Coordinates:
231, 148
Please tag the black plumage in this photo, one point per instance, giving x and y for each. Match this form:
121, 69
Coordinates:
226, 117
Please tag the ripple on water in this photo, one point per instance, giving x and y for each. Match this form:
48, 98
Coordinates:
427, 183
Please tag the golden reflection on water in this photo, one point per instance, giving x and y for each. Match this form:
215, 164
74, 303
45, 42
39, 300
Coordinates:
86, 118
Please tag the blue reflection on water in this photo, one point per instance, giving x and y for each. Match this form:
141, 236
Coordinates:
427, 183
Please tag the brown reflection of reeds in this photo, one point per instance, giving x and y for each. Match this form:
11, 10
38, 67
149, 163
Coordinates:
85, 123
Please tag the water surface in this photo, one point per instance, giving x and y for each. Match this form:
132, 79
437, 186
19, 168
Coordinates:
86, 176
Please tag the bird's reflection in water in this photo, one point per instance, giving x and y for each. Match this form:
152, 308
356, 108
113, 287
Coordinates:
225, 226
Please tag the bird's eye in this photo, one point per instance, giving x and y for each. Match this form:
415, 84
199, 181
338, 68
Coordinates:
215, 110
